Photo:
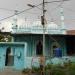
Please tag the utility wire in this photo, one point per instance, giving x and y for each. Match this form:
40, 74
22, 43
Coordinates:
26, 10
16, 14
19, 12
53, 9
22, 12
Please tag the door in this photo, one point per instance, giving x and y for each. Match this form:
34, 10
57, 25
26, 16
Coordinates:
19, 57
39, 48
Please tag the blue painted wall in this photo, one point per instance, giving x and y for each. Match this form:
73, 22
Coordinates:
24, 53
2, 56
18, 52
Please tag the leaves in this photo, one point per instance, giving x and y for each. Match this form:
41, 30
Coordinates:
5, 38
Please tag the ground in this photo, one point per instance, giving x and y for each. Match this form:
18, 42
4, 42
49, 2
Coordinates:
9, 71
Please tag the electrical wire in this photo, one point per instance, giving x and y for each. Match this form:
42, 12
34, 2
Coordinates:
55, 40
19, 12
30, 9
15, 14
71, 10
26, 10
53, 9
52, 18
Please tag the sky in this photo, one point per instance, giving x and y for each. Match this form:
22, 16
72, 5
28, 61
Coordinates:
8, 7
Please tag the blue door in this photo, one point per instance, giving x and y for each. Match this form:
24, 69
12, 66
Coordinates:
19, 57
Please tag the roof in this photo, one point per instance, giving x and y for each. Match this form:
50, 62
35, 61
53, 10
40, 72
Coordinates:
71, 32
37, 28
5, 33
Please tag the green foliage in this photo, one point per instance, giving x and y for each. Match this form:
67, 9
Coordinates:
50, 69
35, 69
67, 69
5, 38
27, 70
71, 69
58, 72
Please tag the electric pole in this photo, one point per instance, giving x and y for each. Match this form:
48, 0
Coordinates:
43, 23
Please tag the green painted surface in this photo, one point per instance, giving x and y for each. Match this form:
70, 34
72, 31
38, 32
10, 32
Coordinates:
25, 53
32, 41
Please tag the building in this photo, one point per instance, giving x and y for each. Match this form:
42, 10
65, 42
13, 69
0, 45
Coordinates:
27, 45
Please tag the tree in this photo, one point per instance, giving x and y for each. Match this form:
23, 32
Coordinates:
5, 38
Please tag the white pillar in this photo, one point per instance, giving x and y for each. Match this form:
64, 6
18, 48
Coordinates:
63, 26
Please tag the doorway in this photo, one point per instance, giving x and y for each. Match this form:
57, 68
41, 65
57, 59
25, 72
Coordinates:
39, 48
9, 60
70, 42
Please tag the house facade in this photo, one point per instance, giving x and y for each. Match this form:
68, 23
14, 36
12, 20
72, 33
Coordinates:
27, 46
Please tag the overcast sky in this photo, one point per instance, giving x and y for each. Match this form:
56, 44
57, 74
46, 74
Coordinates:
7, 8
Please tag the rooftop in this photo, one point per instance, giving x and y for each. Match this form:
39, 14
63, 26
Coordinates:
37, 28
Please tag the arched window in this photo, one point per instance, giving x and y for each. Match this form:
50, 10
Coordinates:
39, 48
